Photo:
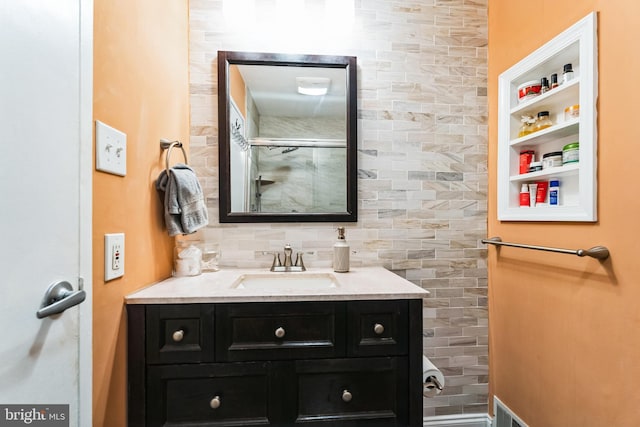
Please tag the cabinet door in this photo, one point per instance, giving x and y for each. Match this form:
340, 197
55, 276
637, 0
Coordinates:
368, 392
279, 331
377, 328
221, 395
181, 333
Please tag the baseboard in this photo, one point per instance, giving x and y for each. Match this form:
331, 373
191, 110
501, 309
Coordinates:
462, 420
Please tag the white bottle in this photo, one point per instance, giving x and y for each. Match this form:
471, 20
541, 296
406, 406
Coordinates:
567, 73
341, 253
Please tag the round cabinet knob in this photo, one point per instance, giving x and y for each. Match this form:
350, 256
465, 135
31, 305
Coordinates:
178, 335
378, 329
346, 396
280, 332
215, 402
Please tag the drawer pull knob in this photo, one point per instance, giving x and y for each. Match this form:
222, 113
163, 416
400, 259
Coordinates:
178, 335
280, 333
378, 328
346, 396
215, 402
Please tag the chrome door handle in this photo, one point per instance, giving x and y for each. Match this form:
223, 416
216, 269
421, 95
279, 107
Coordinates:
58, 297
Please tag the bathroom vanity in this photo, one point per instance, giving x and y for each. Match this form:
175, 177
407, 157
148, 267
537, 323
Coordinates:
240, 348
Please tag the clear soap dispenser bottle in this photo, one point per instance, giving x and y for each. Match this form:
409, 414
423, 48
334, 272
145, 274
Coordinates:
341, 253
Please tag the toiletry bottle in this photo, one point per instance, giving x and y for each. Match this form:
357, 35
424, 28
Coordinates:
554, 193
533, 190
341, 253
526, 128
543, 121
524, 196
544, 85
541, 195
526, 157
567, 73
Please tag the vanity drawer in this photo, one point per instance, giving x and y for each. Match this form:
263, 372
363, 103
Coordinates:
280, 331
369, 391
179, 333
235, 394
378, 328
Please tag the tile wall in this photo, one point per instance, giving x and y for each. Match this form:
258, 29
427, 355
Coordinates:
422, 144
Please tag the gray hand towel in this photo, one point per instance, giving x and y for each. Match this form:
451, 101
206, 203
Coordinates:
184, 209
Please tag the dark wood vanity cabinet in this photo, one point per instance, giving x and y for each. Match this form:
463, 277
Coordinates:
329, 363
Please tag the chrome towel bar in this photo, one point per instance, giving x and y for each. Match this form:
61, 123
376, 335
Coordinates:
598, 252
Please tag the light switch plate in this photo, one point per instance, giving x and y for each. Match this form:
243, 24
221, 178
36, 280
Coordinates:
113, 256
111, 149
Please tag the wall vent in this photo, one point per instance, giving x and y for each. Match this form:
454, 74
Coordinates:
505, 417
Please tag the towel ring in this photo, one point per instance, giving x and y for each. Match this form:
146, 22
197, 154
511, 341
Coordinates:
168, 145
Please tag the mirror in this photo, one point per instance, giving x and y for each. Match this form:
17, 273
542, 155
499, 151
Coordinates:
287, 137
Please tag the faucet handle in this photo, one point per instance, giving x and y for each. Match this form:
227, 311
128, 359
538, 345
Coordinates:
276, 261
299, 261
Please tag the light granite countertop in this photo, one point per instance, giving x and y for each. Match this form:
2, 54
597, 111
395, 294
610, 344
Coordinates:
364, 283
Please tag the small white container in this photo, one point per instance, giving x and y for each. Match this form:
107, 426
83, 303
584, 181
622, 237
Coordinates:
535, 167
529, 90
572, 112
567, 73
552, 160
187, 259
571, 153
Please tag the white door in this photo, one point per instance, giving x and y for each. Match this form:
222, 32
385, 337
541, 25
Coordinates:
45, 209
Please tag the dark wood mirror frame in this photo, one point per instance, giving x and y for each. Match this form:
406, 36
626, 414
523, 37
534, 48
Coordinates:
225, 58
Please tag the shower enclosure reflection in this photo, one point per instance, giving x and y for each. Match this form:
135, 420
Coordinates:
287, 147
290, 178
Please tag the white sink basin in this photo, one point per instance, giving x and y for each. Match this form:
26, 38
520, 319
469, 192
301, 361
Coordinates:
285, 281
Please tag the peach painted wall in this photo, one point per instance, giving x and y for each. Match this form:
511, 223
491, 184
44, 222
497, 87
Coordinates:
238, 89
141, 86
564, 342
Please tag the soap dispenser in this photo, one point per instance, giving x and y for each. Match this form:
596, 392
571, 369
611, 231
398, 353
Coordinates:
341, 253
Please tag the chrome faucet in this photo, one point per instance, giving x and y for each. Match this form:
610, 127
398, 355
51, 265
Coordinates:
288, 265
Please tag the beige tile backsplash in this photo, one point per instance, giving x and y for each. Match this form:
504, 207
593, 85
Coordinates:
422, 144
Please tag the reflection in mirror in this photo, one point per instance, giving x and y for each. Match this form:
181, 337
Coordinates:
287, 137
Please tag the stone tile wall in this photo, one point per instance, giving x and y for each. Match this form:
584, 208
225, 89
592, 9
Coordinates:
422, 141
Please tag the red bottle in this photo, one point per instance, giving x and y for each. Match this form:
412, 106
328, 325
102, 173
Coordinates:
525, 200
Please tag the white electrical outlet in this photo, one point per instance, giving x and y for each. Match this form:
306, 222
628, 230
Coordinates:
111, 149
113, 256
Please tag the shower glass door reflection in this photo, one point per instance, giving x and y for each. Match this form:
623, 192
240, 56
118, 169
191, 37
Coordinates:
294, 178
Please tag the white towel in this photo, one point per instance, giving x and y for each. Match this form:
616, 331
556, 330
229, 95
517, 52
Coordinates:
185, 211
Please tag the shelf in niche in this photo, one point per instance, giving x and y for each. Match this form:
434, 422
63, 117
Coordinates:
563, 94
560, 130
564, 170
544, 208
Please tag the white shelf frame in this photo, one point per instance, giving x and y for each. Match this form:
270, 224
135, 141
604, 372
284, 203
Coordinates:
578, 45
